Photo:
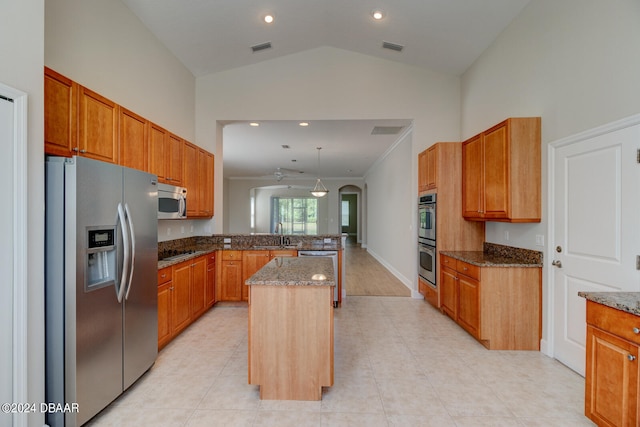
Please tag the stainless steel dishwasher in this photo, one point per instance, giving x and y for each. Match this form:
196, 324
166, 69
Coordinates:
334, 258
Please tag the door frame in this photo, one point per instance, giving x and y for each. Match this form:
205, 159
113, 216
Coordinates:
19, 280
547, 346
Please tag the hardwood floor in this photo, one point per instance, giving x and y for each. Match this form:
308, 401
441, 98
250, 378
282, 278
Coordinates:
366, 276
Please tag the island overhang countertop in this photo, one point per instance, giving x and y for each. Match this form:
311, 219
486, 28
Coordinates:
294, 271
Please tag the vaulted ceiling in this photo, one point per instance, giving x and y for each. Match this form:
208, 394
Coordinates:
210, 36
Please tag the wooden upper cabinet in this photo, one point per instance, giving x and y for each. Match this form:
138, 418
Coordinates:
472, 187
422, 171
133, 141
98, 126
175, 167
431, 168
191, 179
158, 151
501, 172
427, 172
205, 169
60, 114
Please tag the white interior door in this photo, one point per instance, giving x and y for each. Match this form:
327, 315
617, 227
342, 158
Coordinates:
6, 258
595, 227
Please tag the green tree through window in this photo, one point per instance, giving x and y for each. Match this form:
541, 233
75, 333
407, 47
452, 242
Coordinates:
298, 215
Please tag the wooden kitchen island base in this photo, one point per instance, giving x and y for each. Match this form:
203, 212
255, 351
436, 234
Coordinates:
291, 341
291, 328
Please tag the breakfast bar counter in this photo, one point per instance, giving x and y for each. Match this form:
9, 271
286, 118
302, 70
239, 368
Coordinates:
291, 328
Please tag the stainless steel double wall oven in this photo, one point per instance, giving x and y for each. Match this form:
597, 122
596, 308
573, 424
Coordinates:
427, 238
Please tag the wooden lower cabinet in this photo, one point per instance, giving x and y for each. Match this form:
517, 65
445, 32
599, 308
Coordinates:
229, 275
612, 373
181, 307
430, 294
165, 292
235, 267
210, 290
183, 296
499, 306
252, 261
198, 287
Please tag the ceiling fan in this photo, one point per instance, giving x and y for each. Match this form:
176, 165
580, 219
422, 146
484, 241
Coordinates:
281, 173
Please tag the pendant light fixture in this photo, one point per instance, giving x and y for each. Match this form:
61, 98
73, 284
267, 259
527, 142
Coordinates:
319, 190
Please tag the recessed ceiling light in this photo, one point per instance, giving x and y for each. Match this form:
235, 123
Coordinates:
269, 18
303, 124
377, 14
254, 124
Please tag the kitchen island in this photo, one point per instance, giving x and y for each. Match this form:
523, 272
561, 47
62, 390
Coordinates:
291, 328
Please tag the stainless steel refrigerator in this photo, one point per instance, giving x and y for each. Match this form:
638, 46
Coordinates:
101, 283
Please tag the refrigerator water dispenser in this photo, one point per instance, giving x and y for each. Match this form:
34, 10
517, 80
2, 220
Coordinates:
100, 257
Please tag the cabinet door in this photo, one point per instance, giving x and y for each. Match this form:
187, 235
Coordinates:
191, 179
210, 290
175, 172
181, 314
431, 168
165, 292
133, 141
472, 187
611, 379
198, 286
158, 158
496, 172
252, 261
231, 281
422, 171
98, 126
205, 183
60, 114
449, 292
469, 304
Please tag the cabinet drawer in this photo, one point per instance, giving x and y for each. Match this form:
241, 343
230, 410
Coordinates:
164, 275
468, 270
211, 258
616, 322
231, 255
446, 261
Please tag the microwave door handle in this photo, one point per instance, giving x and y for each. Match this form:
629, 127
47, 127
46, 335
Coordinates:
120, 286
182, 206
132, 236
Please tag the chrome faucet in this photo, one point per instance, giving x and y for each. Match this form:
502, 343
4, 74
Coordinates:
279, 230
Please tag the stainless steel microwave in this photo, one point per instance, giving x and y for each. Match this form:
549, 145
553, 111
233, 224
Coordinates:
172, 202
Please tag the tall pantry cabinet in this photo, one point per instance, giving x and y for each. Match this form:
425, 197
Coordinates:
439, 171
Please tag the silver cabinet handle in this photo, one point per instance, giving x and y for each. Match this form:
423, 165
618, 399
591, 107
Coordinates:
631, 357
636, 331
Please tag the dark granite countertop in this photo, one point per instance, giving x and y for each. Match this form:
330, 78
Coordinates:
494, 255
199, 246
624, 301
293, 271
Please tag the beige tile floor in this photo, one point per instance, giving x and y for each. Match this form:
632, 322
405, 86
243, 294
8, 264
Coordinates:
398, 362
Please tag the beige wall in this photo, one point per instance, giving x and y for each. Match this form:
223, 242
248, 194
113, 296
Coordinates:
575, 63
330, 83
102, 45
22, 53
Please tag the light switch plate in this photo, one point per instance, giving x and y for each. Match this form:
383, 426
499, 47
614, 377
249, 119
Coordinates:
327, 240
227, 240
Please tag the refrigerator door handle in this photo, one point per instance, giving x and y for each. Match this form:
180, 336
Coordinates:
133, 249
120, 287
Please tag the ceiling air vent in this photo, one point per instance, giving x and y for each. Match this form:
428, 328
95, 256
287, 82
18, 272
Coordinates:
261, 46
392, 46
386, 130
